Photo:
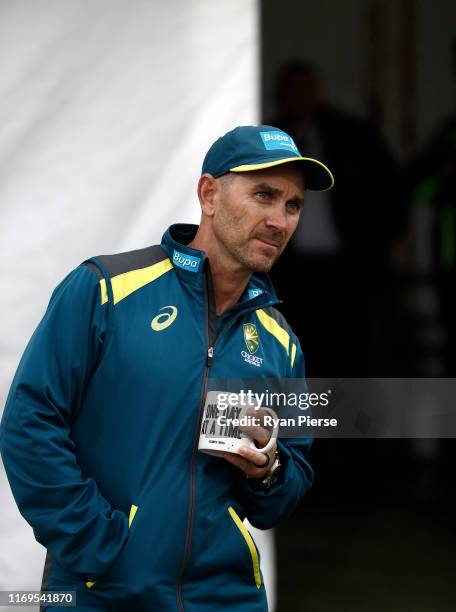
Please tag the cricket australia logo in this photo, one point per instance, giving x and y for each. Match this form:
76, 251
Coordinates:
252, 342
251, 338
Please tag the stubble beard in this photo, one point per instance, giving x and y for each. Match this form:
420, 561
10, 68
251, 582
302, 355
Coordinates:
241, 251
229, 231
253, 262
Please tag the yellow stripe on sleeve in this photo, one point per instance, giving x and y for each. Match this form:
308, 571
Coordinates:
274, 328
127, 283
293, 354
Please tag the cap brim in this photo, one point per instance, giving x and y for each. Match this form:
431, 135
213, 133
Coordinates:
318, 176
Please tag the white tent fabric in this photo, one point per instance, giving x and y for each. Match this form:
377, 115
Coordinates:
107, 110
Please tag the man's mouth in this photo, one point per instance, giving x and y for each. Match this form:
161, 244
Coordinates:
268, 241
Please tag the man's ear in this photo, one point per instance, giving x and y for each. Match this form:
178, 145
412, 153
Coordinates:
208, 192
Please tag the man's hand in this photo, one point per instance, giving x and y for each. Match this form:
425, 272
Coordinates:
254, 464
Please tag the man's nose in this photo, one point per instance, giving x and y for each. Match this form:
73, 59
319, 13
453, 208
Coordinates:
277, 218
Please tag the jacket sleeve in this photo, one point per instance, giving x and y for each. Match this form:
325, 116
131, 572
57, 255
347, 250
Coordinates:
64, 506
268, 507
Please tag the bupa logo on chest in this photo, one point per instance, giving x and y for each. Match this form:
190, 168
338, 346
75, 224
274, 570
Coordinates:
278, 140
185, 261
252, 342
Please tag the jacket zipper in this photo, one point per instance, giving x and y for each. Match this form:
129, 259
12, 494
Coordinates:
211, 341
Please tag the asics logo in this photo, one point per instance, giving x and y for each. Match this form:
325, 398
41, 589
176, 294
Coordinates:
165, 319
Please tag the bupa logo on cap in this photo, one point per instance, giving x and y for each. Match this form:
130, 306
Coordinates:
185, 261
278, 140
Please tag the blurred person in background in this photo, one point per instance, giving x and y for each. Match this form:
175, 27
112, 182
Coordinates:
340, 263
341, 256
433, 182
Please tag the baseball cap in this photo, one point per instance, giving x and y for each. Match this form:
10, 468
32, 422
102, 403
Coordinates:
254, 147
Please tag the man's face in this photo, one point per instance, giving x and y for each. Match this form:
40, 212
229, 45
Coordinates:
257, 213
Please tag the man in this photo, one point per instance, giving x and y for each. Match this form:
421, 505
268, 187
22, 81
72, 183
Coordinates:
100, 432
345, 236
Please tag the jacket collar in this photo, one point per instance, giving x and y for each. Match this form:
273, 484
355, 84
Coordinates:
190, 266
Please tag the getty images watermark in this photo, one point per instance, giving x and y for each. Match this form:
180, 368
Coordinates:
334, 408
231, 409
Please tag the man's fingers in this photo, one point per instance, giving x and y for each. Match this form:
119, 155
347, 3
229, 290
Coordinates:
247, 466
258, 431
249, 461
259, 434
237, 460
256, 458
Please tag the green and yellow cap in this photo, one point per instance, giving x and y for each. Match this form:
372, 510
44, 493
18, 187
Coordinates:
254, 147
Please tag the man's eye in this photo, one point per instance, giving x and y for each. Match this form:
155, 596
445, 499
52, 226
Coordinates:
294, 206
262, 194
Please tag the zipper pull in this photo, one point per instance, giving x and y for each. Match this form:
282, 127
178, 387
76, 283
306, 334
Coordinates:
210, 354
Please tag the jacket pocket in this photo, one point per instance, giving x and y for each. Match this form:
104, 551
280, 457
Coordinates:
250, 543
133, 510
